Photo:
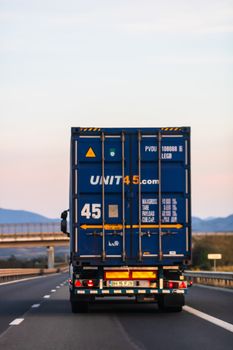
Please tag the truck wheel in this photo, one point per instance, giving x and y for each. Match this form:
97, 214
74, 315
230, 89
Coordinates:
79, 307
175, 309
170, 308
171, 303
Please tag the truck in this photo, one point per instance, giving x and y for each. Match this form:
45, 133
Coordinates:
129, 215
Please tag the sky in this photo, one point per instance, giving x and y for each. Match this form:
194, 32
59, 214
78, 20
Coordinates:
113, 63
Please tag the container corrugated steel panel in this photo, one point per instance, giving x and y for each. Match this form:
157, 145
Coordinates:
130, 195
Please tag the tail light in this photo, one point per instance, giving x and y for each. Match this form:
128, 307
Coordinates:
189, 283
170, 285
90, 283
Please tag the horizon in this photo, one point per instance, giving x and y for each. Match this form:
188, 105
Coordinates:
150, 64
54, 218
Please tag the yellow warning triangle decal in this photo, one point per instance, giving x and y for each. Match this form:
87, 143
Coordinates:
90, 153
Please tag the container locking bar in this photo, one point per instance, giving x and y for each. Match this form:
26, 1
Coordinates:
123, 195
159, 197
139, 199
103, 199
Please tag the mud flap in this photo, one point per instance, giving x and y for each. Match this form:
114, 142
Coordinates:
81, 298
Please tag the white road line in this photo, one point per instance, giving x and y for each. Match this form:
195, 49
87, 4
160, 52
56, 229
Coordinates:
16, 322
53, 290
46, 296
22, 280
57, 287
35, 306
29, 278
214, 320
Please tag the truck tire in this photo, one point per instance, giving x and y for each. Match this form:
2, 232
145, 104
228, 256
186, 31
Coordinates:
171, 303
170, 308
79, 307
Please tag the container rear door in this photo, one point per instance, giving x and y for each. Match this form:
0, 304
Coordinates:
131, 198
162, 197
103, 198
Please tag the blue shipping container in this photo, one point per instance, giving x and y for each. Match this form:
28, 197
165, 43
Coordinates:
130, 200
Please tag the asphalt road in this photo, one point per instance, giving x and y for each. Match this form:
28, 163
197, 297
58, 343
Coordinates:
109, 324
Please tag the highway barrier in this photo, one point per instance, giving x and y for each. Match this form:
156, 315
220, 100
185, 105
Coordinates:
13, 274
211, 278
37, 227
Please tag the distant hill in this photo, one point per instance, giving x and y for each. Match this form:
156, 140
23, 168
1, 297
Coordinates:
9, 216
213, 224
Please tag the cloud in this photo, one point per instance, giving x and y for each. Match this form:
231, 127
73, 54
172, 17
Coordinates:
189, 60
186, 22
176, 27
10, 16
180, 16
71, 19
134, 17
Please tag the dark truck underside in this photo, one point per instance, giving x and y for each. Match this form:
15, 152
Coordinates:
164, 285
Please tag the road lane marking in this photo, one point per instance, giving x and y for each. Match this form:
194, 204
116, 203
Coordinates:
214, 320
53, 290
127, 337
57, 287
26, 279
46, 296
31, 278
35, 306
16, 322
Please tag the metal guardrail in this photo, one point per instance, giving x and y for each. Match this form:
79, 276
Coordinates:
211, 278
210, 274
14, 274
43, 235
37, 227
33, 239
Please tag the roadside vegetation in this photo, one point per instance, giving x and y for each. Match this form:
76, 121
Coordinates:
208, 244
202, 246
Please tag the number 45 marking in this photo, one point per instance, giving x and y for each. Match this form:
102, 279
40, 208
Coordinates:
91, 210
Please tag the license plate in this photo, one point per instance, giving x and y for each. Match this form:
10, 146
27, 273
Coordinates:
120, 283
